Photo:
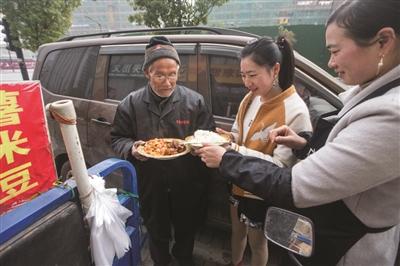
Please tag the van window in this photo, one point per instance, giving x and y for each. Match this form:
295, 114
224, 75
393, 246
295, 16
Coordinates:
70, 72
125, 74
315, 101
188, 71
227, 89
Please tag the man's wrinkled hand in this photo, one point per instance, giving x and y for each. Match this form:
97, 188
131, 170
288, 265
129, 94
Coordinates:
135, 153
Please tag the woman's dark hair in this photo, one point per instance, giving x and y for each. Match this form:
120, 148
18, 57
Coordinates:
267, 52
362, 19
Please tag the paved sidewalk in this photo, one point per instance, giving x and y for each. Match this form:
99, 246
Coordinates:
212, 248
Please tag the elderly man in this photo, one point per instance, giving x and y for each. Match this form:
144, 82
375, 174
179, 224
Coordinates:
171, 193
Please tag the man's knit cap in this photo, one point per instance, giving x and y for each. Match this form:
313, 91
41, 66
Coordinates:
159, 47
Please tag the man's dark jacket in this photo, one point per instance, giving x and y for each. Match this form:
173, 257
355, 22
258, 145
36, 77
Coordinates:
173, 189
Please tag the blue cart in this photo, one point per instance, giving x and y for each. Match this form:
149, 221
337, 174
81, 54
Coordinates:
49, 230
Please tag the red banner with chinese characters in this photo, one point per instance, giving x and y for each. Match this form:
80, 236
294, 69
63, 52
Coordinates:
26, 161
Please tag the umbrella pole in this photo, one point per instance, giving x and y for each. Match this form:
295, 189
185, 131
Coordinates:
64, 113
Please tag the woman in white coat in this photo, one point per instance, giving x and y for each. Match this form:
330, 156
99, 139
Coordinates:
349, 186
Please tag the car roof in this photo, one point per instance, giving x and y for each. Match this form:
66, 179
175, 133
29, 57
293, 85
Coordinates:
165, 31
204, 38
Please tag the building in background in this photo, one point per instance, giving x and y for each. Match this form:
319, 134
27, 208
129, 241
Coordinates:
305, 18
111, 15
101, 15
249, 13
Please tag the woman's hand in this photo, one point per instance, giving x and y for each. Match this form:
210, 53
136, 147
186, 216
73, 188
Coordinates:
211, 155
284, 135
135, 153
224, 132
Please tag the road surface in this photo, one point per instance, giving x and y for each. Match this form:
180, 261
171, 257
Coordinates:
13, 75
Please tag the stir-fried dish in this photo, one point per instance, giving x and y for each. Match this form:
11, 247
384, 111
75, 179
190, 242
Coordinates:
163, 147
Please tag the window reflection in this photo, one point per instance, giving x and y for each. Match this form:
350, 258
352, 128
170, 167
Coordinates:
125, 74
227, 89
315, 102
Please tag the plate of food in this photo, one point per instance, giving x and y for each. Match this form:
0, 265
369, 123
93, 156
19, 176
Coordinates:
202, 137
163, 148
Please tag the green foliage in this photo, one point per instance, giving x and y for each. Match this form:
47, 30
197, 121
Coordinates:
172, 13
38, 21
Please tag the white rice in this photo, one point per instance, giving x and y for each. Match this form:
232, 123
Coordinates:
205, 136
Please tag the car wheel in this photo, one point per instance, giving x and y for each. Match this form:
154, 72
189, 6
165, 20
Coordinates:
65, 172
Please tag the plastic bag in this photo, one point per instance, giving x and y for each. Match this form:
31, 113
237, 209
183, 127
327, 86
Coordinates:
107, 217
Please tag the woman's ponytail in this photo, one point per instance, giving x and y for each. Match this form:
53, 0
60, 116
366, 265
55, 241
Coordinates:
286, 73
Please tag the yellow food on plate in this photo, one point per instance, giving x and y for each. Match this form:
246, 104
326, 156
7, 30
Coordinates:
163, 147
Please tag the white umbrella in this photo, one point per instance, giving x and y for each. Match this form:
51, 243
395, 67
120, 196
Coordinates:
104, 213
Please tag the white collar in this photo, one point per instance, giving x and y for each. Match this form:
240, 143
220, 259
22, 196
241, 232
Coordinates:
355, 94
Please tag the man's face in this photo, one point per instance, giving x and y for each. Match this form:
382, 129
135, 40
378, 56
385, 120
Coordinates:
162, 75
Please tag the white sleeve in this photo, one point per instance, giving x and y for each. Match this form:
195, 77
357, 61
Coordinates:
235, 131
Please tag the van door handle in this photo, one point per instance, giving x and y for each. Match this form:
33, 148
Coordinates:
101, 121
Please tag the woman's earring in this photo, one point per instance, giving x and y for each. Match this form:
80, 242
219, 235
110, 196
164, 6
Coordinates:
380, 65
275, 82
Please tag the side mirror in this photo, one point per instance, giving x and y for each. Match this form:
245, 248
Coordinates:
290, 230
